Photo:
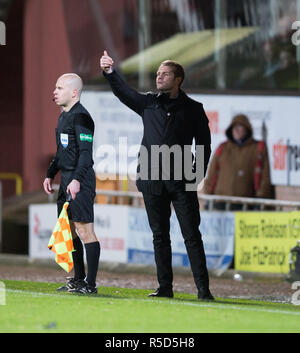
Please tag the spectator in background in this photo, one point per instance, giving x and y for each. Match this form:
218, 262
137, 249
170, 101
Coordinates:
240, 166
271, 64
287, 74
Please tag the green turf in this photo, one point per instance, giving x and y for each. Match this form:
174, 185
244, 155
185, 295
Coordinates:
37, 307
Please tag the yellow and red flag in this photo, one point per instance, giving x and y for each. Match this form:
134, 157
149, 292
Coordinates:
61, 242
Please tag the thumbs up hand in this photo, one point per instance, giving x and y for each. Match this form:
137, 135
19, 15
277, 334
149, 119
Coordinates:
106, 63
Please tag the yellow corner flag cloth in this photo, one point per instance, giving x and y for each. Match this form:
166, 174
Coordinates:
61, 242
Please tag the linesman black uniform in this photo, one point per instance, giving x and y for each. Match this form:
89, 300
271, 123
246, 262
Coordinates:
74, 158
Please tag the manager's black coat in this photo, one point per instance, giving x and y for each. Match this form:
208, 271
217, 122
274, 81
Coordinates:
167, 122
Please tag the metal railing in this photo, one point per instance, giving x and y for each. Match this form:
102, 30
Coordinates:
136, 199
260, 204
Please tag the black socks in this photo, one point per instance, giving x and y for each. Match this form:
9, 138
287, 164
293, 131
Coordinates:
78, 259
92, 258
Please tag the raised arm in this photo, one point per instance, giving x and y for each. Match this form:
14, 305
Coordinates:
128, 96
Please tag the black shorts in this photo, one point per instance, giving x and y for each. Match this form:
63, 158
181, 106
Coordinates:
82, 208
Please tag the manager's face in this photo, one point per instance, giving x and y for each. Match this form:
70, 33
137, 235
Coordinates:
165, 79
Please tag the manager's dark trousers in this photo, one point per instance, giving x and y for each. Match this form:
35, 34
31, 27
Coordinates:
186, 207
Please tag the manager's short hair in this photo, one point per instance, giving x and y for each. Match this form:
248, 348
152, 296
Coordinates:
178, 70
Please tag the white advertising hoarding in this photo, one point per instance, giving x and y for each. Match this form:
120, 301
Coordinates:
217, 230
125, 235
120, 129
42, 220
110, 228
281, 118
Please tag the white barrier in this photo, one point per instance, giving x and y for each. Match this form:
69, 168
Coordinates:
217, 230
125, 235
110, 226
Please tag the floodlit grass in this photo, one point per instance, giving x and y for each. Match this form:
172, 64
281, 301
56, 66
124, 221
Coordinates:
37, 307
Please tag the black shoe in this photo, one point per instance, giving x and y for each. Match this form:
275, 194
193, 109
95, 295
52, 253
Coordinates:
85, 290
82, 287
162, 292
71, 284
205, 295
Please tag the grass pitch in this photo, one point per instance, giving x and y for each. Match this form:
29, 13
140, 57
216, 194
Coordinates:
32, 307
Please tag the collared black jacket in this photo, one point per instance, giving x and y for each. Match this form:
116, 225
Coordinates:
169, 122
74, 140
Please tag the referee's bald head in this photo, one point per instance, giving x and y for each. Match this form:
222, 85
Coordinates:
68, 91
73, 81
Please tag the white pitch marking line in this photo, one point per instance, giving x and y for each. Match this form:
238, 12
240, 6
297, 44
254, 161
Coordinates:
215, 305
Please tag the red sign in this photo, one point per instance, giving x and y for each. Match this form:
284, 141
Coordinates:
279, 155
112, 243
213, 118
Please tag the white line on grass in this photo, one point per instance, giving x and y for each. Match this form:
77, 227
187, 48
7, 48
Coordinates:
213, 305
